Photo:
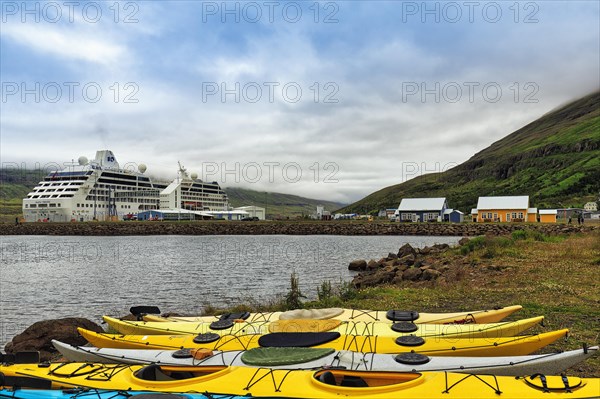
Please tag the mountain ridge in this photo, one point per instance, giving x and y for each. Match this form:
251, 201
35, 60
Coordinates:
554, 159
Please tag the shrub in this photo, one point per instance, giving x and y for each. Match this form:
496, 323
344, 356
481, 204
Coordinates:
292, 298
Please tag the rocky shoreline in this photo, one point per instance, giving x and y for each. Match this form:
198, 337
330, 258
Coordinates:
282, 228
410, 265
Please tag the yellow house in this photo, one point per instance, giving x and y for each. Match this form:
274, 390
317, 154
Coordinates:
548, 215
505, 209
532, 215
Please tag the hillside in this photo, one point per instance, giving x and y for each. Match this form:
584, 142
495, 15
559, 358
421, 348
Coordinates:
16, 183
277, 204
555, 160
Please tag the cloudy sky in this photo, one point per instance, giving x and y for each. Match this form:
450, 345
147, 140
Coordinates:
328, 99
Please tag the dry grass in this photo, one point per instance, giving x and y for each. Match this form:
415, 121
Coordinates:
557, 279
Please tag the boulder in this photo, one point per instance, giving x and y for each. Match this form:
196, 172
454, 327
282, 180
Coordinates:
407, 260
39, 335
463, 241
441, 247
379, 277
406, 249
430, 274
372, 265
412, 274
358, 265
392, 256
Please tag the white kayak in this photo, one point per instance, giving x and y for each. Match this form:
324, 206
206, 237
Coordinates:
313, 358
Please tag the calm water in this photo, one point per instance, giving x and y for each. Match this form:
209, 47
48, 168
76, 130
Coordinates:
44, 277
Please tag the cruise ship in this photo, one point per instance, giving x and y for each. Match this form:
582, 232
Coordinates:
100, 189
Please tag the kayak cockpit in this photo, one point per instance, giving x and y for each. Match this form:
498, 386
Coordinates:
156, 372
365, 379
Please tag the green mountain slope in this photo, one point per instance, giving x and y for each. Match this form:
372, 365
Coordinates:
555, 160
277, 204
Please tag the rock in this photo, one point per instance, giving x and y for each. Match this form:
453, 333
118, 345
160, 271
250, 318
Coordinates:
406, 249
37, 337
397, 278
425, 250
402, 268
441, 247
372, 265
392, 256
358, 265
373, 279
407, 260
412, 274
463, 241
431, 274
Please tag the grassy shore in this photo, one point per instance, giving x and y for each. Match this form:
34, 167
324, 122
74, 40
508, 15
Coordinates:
553, 276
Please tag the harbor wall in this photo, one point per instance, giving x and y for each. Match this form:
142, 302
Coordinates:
282, 228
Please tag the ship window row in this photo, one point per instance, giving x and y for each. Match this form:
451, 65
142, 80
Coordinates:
53, 190
49, 205
60, 183
117, 182
119, 176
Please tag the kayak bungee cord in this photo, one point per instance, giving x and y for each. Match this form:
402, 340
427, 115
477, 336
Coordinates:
497, 390
352, 340
360, 313
270, 372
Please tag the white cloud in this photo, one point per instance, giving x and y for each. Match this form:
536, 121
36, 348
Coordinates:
74, 44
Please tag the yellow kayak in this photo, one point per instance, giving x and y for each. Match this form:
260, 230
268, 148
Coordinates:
389, 316
240, 327
433, 346
320, 384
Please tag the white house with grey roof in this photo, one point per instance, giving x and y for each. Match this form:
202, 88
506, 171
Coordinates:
421, 209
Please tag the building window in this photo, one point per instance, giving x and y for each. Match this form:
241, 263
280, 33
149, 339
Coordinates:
520, 215
508, 217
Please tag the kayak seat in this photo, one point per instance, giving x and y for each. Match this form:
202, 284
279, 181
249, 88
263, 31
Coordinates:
295, 339
327, 378
153, 373
182, 375
235, 316
352, 381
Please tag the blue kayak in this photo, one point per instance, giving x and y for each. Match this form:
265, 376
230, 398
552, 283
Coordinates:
80, 393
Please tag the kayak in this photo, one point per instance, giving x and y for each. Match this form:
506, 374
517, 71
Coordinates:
319, 384
85, 393
240, 327
389, 316
313, 358
434, 346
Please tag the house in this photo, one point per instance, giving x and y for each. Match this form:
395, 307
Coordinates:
474, 215
453, 216
532, 215
504, 209
590, 207
253, 211
422, 209
548, 215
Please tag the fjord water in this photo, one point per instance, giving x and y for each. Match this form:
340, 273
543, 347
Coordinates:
44, 277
